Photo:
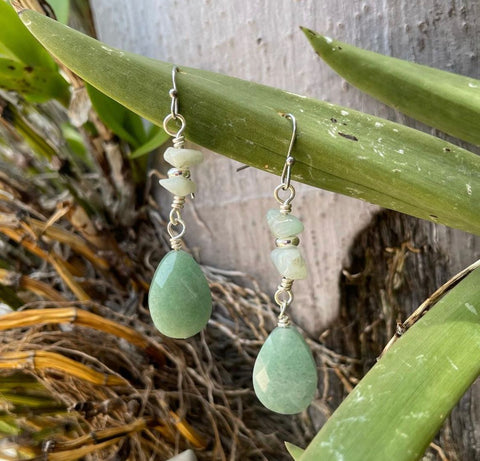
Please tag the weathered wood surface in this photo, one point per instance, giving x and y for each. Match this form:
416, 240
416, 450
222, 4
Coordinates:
261, 41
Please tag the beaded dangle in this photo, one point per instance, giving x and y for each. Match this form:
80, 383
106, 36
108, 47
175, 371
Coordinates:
285, 375
179, 299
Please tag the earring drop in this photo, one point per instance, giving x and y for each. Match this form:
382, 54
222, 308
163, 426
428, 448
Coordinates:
285, 375
179, 299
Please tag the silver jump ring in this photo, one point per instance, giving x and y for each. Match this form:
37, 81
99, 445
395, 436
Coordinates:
171, 117
284, 187
175, 216
172, 232
283, 303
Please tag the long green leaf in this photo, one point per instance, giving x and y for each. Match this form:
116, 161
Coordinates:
123, 122
336, 149
156, 137
36, 84
398, 407
447, 101
61, 9
25, 66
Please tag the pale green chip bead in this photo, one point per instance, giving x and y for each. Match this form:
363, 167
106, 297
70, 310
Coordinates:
183, 158
179, 299
283, 225
178, 185
289, 262
285, 375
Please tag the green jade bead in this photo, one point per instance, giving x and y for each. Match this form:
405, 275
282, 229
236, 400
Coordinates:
179, 299
290, 262
283, 225
179, 186
285, 375
183, 158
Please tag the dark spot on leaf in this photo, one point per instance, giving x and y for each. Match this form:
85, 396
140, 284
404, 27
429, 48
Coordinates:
343, 123
28, 69
339, 47
333, 120
447, 149
11, 67
348, 136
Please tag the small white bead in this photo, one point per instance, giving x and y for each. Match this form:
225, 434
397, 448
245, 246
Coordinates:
179, 185
183, 158
289, 262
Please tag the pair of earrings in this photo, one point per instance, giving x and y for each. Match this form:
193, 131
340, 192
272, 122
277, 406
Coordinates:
180, 303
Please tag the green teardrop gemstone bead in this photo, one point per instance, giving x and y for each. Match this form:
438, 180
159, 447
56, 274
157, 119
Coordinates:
179, 299
285, 375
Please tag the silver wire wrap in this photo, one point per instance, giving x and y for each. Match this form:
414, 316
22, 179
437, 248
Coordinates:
176, 221
284, 296
176, 225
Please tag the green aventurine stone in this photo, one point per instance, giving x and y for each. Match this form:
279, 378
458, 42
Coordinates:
285, 374
179, 299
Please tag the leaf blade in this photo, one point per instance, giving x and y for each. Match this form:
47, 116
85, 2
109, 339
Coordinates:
25, 66
336, 149
117, 117
397, 408
444, 100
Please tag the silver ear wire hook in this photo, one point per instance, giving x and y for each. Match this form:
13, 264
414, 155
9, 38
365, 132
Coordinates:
174, 115
290, 160
287, 172
173, 94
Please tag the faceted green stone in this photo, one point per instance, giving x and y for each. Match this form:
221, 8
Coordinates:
285, 375
179, 299
283, 225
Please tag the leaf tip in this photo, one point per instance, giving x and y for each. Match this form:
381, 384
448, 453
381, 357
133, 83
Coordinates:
308, 32
294, 451
322, 44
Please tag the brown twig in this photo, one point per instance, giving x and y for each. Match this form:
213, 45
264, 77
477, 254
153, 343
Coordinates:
429, 303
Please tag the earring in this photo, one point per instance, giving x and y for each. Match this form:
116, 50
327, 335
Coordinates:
179, 299
284, 374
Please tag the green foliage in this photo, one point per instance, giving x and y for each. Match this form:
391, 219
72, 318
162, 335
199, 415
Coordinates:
75, 142
337, 149
156, 136
25, 66
398, 407
61, 9
294, 451
126, 124
444, 100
